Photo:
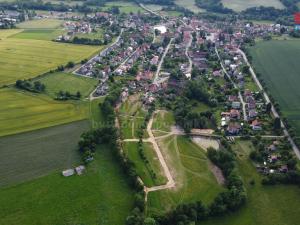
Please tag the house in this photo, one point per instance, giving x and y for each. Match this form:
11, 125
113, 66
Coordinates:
233, 128
232, 98
252, 114
67, 173
256, 125
234, 114
236, 105
283, 169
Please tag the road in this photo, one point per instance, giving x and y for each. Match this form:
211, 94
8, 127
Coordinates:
274, 112
161, 62
235, 86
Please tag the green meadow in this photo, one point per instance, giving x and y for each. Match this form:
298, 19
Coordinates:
34, 154
40, 24
38, 34
278, 64
240, 5
60, 81
162, 121
124, 6
23, 111
191, 171
266, 205
99, 196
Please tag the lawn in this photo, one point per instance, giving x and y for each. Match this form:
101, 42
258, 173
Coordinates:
267, 205
27, 58
278, 64
143, 169
190, 169
23, 111
40, 24
240, 5
37, 153
100, 196
59, 81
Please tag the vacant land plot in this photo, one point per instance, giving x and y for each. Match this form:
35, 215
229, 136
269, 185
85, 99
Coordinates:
151, 173
267, 205
22, 111
40, 24
240, 5
190, 5
56, 82
26, 58
33, 154
278, 63
125, 7
189, 167
100, 196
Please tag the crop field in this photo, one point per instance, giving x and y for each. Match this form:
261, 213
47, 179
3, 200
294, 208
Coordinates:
267, 205
143, 169
99, 196
190, 5
34, 154
278, 64
27, 58
23, 111
40, 24
190, 169
125, 7
59, 81
240, 5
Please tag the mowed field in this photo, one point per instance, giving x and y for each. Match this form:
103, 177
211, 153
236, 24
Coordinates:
266, 205
28, 57
99, 196
190, 169
23, 111
240, 5
60, 81
278, 63
33, 154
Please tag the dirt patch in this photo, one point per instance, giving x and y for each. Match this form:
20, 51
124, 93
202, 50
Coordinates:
218, 173
206, 142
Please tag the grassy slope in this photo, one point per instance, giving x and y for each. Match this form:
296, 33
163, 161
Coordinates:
278, 62
267, 205
240, 5
56, 82
163, 121
143, 170
33, 154
22, 112
100, 196
26, 58
189, 167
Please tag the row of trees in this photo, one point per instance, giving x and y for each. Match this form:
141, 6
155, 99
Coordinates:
36, 87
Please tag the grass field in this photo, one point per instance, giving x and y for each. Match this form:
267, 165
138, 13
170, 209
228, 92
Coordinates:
100, 196
38, 34
190, 169
143, 169
125, 7
267, 205
278, 63
96, 116
26, 58
59, 81
240, 5
33, 154
20, 112
40, 24
163, 120
190, 5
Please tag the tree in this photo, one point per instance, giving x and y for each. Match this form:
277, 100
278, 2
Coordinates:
150, 221
70, 64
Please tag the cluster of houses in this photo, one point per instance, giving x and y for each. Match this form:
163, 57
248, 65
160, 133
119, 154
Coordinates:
8, 19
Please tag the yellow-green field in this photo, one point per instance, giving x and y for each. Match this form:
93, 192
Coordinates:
240, 5
20, 112
40, 24
27, 58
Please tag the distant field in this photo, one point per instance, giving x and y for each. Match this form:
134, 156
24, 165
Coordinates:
33, 154
20, 112
26, 58
189, 4
190, 168
163, 121
125, 7
266, 205
240, 5
143, 169
40, 24
100, 196
278, 63
39, 34
59, 81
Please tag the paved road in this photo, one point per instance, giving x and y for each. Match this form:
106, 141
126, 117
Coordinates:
275, 113
235, 86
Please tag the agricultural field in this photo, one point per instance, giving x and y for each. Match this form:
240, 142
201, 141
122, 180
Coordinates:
278, 64
60, 81
100, 196
146, 171
26, 58
23, 111
29, 155
267, 205
240, 5
191, 171
190, 5
125, 7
